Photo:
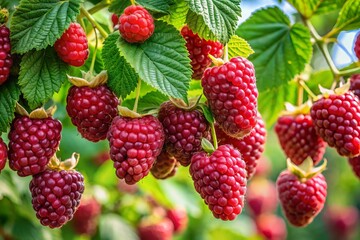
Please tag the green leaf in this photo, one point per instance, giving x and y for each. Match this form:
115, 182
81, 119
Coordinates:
197, 24
349, 16
39, 23
149, 102
239, 47
161, 61
9, 95
112, 226
161, 6
220, 16
272, 101
178, 13
122, 77
330, 5
41, 75
324, 78
281, 50
118, 6
306, 7
207, 113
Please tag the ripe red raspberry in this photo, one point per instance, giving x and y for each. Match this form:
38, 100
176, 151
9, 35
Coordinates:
357, 46
184, 130
135, 143
32, 142
114, 19
179, 218
298, 138
92, 110
271, 227
261, 197
232, 96
355, 165
199, 50
337, 120
301, 200
355, 84
164, 166
220, 179
160, 230
251, 147
341, 221
56, 196
72, 46
6, 61
85, 218
136, 24
3, 154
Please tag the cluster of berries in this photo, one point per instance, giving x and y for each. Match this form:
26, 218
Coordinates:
6, 60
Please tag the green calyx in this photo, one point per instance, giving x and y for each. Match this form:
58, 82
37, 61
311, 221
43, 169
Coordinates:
306, 169
4, 16
207, 146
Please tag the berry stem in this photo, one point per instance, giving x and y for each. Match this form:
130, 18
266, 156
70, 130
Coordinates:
137, 95
95, 51
99, 6
132, 2
213, 135
93, 22
307, 89
226, 53
300, 94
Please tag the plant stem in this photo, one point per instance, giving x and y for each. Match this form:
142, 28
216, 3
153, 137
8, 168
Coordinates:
213, 135
99, 6
349, 71
93, 22
300, 94
226, 53
307, 89
132, 2
94, 54
137, 95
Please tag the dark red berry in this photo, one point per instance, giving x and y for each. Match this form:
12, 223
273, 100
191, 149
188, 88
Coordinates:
184, 130
159, 230
301, 201
179, 218
355, 165
5, 54
165, 166
357, 46
199, 50
355, 84
72, 47
85, 219
232, 96
337, 120
135, 143
251, 147
136, 24
298, 138
261, 196
3, 154
92, 110
220, 179
271, 227
32, 142
56, 196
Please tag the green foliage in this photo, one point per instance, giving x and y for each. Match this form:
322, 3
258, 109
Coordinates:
112, 227
178, 12
161, 61
281, 49
37, 24
41, 75
349, 17
306, 7
148, 102
118, 6
239, 47
161, 6
219, 16
9, 95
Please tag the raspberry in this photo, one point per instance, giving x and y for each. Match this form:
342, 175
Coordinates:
199, 50
341, 221
32, 142
271, 227
232, 96
220, 179
56, 196
263, 168
92, 110
135, 143
179, 218
337, 120
184, 130
3, 154
261, 196
298, 138
101, 158
357, 46
164, 167
251, 147
301, 201
160, 230
355, 84
85, 218
136, 24
72, 46
6, 61
114, 19
355, 165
